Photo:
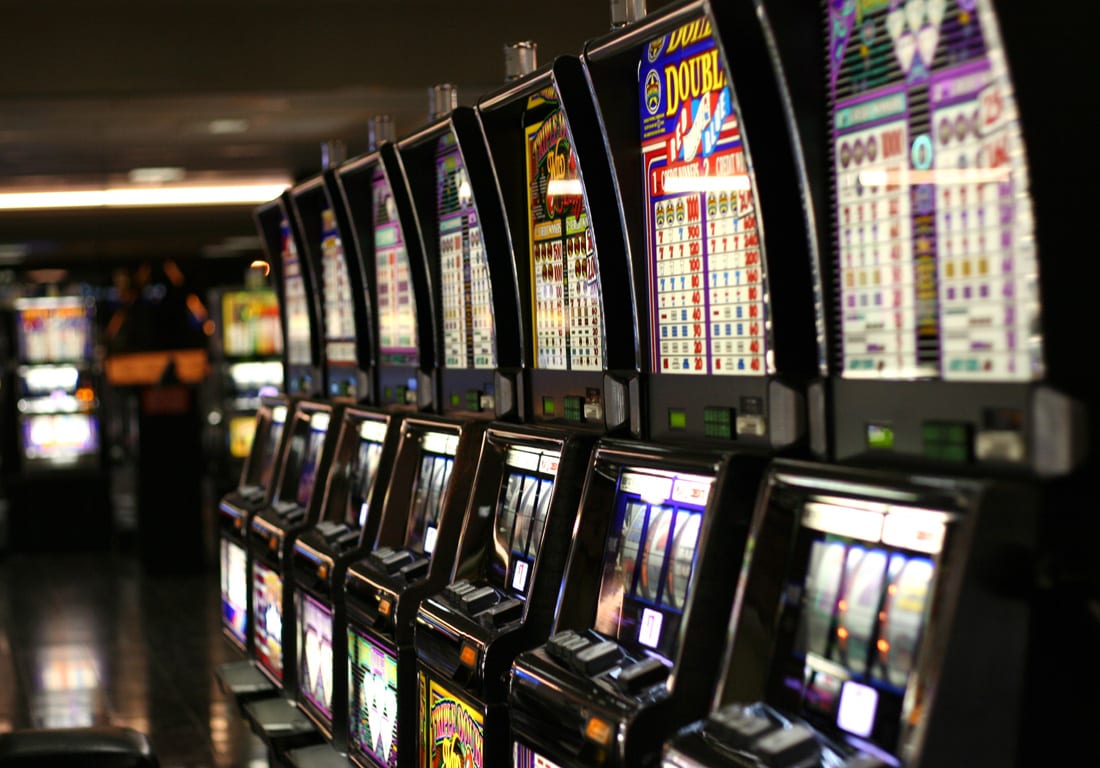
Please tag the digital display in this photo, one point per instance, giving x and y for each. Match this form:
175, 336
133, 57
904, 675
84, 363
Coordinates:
525, 757
469, 335
372, 699
339, 308
866, 590
364, 470
250, 324
267, 618
453, 732
706, 277
268, 454
297, 303
59, 437
315, 665
650, 557
234, 588
54, 330
933, 216
393, 281
521, 512
307, 479
242, 430
565, 279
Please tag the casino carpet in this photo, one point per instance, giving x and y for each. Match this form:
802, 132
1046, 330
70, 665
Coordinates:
95, 638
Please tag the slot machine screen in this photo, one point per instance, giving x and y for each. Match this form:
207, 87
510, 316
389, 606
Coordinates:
432, 478
59, 437
315, 667
706, 277
261, 464
935, 237
372, 699
565, 279
242, 430
520, 519
234, 588
307, 478
469, 334
866, 574
396, 301
336, 285
650, 557
267, 618
297, 303
364, 470
250, 324
53, 330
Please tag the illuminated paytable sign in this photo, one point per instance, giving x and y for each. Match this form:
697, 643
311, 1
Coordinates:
468, 329
339, 308
452, 732
706, 275
396, 301
934, 224
297, 304
565, 281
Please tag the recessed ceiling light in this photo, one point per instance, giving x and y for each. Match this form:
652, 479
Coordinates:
227, 125
153, 175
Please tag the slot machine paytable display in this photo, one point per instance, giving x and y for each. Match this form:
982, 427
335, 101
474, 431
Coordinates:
727, 328
899, 604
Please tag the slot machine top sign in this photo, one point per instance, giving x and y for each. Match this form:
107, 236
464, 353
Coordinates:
565, 280
706, 276
469, 333
934, 227
396, 300
297, 304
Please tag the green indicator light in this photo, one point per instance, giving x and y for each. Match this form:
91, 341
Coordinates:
549, 408
473, 400
387, 393
574, 408
455, 400
677, 419
880, 436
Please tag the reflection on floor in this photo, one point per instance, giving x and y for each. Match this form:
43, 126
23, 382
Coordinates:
90, 638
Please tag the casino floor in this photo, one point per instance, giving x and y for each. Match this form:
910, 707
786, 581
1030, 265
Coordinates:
95, 638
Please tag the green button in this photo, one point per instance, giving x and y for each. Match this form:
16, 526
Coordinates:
677, 419
549, 407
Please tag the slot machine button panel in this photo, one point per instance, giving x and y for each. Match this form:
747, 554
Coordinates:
637, 676
564, 645
786, 747
738, 727
391, 560
415, 569
453, 592
478, 600
597, 658
508, 609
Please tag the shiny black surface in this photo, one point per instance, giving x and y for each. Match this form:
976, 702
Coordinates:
92, 639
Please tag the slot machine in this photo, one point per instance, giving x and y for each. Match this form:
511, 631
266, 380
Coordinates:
444, 199
901, 606
316, 538
261, 473
703, 166
522, 507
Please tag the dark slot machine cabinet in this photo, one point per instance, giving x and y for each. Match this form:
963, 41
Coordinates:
481, 376
881, 603
729, 327
523, 504
953, 390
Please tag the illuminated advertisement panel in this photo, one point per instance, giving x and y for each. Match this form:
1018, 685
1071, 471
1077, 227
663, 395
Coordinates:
396, 302
297, 304
452, 732
468, 328
267, 617
707, 287
315, 653
933, 217
372, 699
336, 288
234, 588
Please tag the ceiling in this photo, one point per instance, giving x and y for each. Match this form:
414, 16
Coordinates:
90, 91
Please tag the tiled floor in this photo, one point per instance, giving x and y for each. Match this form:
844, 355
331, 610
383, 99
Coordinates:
93, 638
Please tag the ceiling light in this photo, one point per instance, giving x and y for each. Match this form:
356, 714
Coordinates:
140, 197
163, 175
227, 125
